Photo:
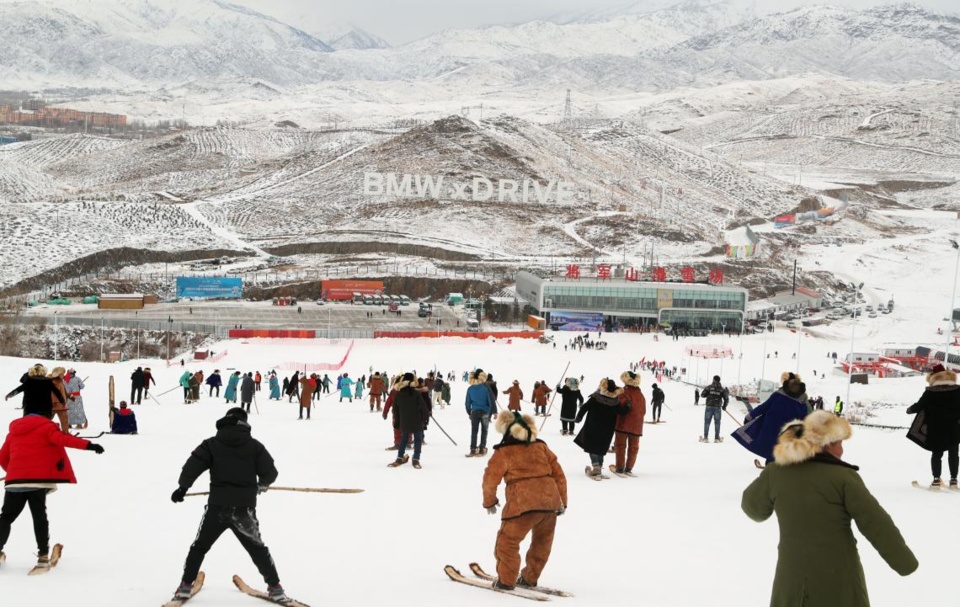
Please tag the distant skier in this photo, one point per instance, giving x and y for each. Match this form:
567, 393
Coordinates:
715, 399
345, 391
657, 398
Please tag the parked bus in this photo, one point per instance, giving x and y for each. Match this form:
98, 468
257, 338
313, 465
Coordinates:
358, 298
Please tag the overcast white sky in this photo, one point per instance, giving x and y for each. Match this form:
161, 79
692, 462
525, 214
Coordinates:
400, 21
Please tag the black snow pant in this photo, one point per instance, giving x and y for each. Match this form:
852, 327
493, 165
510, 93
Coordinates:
567, 426
13, 504
136, 394
245, 405
953, 461
245, 526
656, 410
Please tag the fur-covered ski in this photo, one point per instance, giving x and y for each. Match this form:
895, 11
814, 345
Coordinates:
613, 469
247, 590
456, 576
197, 585
940, 489
480, 573
54, 559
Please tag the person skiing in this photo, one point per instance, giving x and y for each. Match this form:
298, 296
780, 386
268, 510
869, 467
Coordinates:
230, 394
535, 494
762, 425
479, 405
596, 434
59, 401
34, 458
445, 395
137, 385
184, 382
257, 380
657, 398
293, 388
76, 416
629, 426
274, 386
570, 400
540, 398
815, 496
514, 395
376, 386
326, 383
214, 381
247, 387
240, 469
715, 399
147, 380
307, 386
936, 426
412, 412
345, 391
358, 389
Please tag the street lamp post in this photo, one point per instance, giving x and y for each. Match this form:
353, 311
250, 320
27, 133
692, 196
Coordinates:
853, 329
953, 298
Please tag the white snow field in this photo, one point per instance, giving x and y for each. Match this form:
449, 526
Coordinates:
673, 536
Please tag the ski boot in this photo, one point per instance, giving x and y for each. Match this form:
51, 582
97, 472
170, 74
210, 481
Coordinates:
184, 591
501, 586
936, 484
524, 583
276, 594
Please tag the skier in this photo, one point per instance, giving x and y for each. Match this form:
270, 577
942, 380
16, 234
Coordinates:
136, 386
240, 469
376, 390
437, 393
762, 425
358, 389
59, 402
214, 381
479, 405
37, 388
307, 386
715, 398
257, 380
515, 395
247, 387
76, 416
540, 398
818, 561
596, 434
657, 397
293, 387
936, 426
147, 380
445, 395
274, 386
184, 382
412, 412
535, 494
326, 384
230, 394
35, 460
629, 427
570, 400
345, 392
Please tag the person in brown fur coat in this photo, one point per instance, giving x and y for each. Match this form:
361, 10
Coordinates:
536, 493
515, 394
629, 426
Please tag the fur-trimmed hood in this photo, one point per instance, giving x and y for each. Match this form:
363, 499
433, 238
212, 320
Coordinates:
942, 378
801, 441
629, 378
407, 379
603, 389
508, 421
477, 376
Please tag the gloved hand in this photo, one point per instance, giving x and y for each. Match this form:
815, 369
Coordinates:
262, 489
95, 448
177, 496
492, 509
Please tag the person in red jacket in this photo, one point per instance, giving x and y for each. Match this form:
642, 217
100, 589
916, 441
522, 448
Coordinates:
629, 426
35, 460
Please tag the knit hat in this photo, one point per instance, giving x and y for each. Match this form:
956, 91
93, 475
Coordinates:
801, 440
235, 416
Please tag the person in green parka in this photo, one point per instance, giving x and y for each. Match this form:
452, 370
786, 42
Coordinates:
230, 395
815, 495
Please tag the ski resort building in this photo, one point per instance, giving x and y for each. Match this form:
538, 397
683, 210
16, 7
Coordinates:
582, 304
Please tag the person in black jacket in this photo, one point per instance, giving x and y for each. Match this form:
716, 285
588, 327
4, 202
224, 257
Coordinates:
715, 399
937, 425
136, 386
658, 398
412, 409
240, 468
570, 399
596, 434
37, 388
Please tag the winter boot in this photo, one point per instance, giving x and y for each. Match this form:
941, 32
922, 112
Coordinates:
500, 585
392, 448
524, 583
473, 453
593, 471
953, 483
719, 439
416, 464
43, 561
936, 484
482, 451
703, 439
276, 594
399, 462
3, 557
184, 591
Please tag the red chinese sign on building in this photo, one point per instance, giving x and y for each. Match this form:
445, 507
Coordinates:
603, 271
716, 276
631, 274
659, 274
687, 274
573, 271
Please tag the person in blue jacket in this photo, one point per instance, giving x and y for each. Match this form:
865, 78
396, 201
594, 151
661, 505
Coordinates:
230, 394
762, 426
345, 391
274, 386
124, 420
214, 381
479, 404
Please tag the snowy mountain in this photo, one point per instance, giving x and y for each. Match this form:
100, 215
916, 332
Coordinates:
142, 42
343, 37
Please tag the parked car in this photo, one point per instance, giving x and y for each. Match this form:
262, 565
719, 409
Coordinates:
320, 302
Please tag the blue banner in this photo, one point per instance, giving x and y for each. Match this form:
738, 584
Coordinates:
576, 321
209, 286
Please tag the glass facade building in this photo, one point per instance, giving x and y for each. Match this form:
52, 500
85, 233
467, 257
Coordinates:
680, 304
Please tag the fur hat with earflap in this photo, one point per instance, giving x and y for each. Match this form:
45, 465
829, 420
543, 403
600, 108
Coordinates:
521, 427
608, 387
572, 382
801, 440
477, 376
37, 370
629, 378
407, 379
939, 376
792, 385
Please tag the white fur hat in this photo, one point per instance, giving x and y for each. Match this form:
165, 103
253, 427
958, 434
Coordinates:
800, 441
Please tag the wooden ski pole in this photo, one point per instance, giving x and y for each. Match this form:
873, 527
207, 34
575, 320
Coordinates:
739, 423
444, 431
297, 489
550, 407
